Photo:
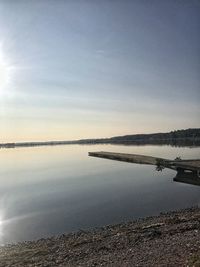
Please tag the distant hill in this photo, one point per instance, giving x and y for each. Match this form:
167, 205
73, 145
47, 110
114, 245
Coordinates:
188, 137
178, 134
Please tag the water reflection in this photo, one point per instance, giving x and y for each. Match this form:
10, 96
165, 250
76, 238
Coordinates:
51, 190
1, 226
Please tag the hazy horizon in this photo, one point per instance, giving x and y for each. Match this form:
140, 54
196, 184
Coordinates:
96, 69
102, 137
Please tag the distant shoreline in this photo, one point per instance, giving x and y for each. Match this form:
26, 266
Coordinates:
189, 142
182, 138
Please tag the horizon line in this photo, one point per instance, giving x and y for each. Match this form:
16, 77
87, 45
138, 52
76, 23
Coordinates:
86, 139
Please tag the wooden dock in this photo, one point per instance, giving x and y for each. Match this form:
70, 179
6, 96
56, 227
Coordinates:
187, 170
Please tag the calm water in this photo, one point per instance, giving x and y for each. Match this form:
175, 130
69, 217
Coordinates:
51, 190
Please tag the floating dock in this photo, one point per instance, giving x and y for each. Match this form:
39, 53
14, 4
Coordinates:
188, 171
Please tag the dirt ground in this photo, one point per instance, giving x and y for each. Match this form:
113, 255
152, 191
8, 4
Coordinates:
171, 239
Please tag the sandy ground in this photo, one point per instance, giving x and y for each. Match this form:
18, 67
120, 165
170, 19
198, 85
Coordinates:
171, 239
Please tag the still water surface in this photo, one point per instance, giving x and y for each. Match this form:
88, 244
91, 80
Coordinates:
46, 191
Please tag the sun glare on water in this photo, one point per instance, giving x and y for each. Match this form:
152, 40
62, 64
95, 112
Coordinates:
1, 228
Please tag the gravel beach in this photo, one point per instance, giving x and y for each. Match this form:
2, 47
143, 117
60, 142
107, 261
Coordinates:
171, 239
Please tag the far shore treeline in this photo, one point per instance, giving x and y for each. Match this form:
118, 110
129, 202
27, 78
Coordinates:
188, 137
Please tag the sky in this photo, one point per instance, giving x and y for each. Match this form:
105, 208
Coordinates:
88, 69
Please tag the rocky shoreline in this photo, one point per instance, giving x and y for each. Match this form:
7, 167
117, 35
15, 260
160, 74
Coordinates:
171, 239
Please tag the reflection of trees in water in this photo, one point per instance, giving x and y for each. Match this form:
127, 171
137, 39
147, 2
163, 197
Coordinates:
176, 143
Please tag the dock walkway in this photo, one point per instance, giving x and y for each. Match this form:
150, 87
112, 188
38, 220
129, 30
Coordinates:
133, 158
186, 169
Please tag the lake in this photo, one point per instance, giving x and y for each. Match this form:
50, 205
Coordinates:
52, 190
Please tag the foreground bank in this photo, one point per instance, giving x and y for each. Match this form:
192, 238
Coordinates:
171, 239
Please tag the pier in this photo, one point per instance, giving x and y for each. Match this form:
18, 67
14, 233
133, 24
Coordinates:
188, 171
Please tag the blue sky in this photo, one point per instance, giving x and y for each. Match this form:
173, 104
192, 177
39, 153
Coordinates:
82, 69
